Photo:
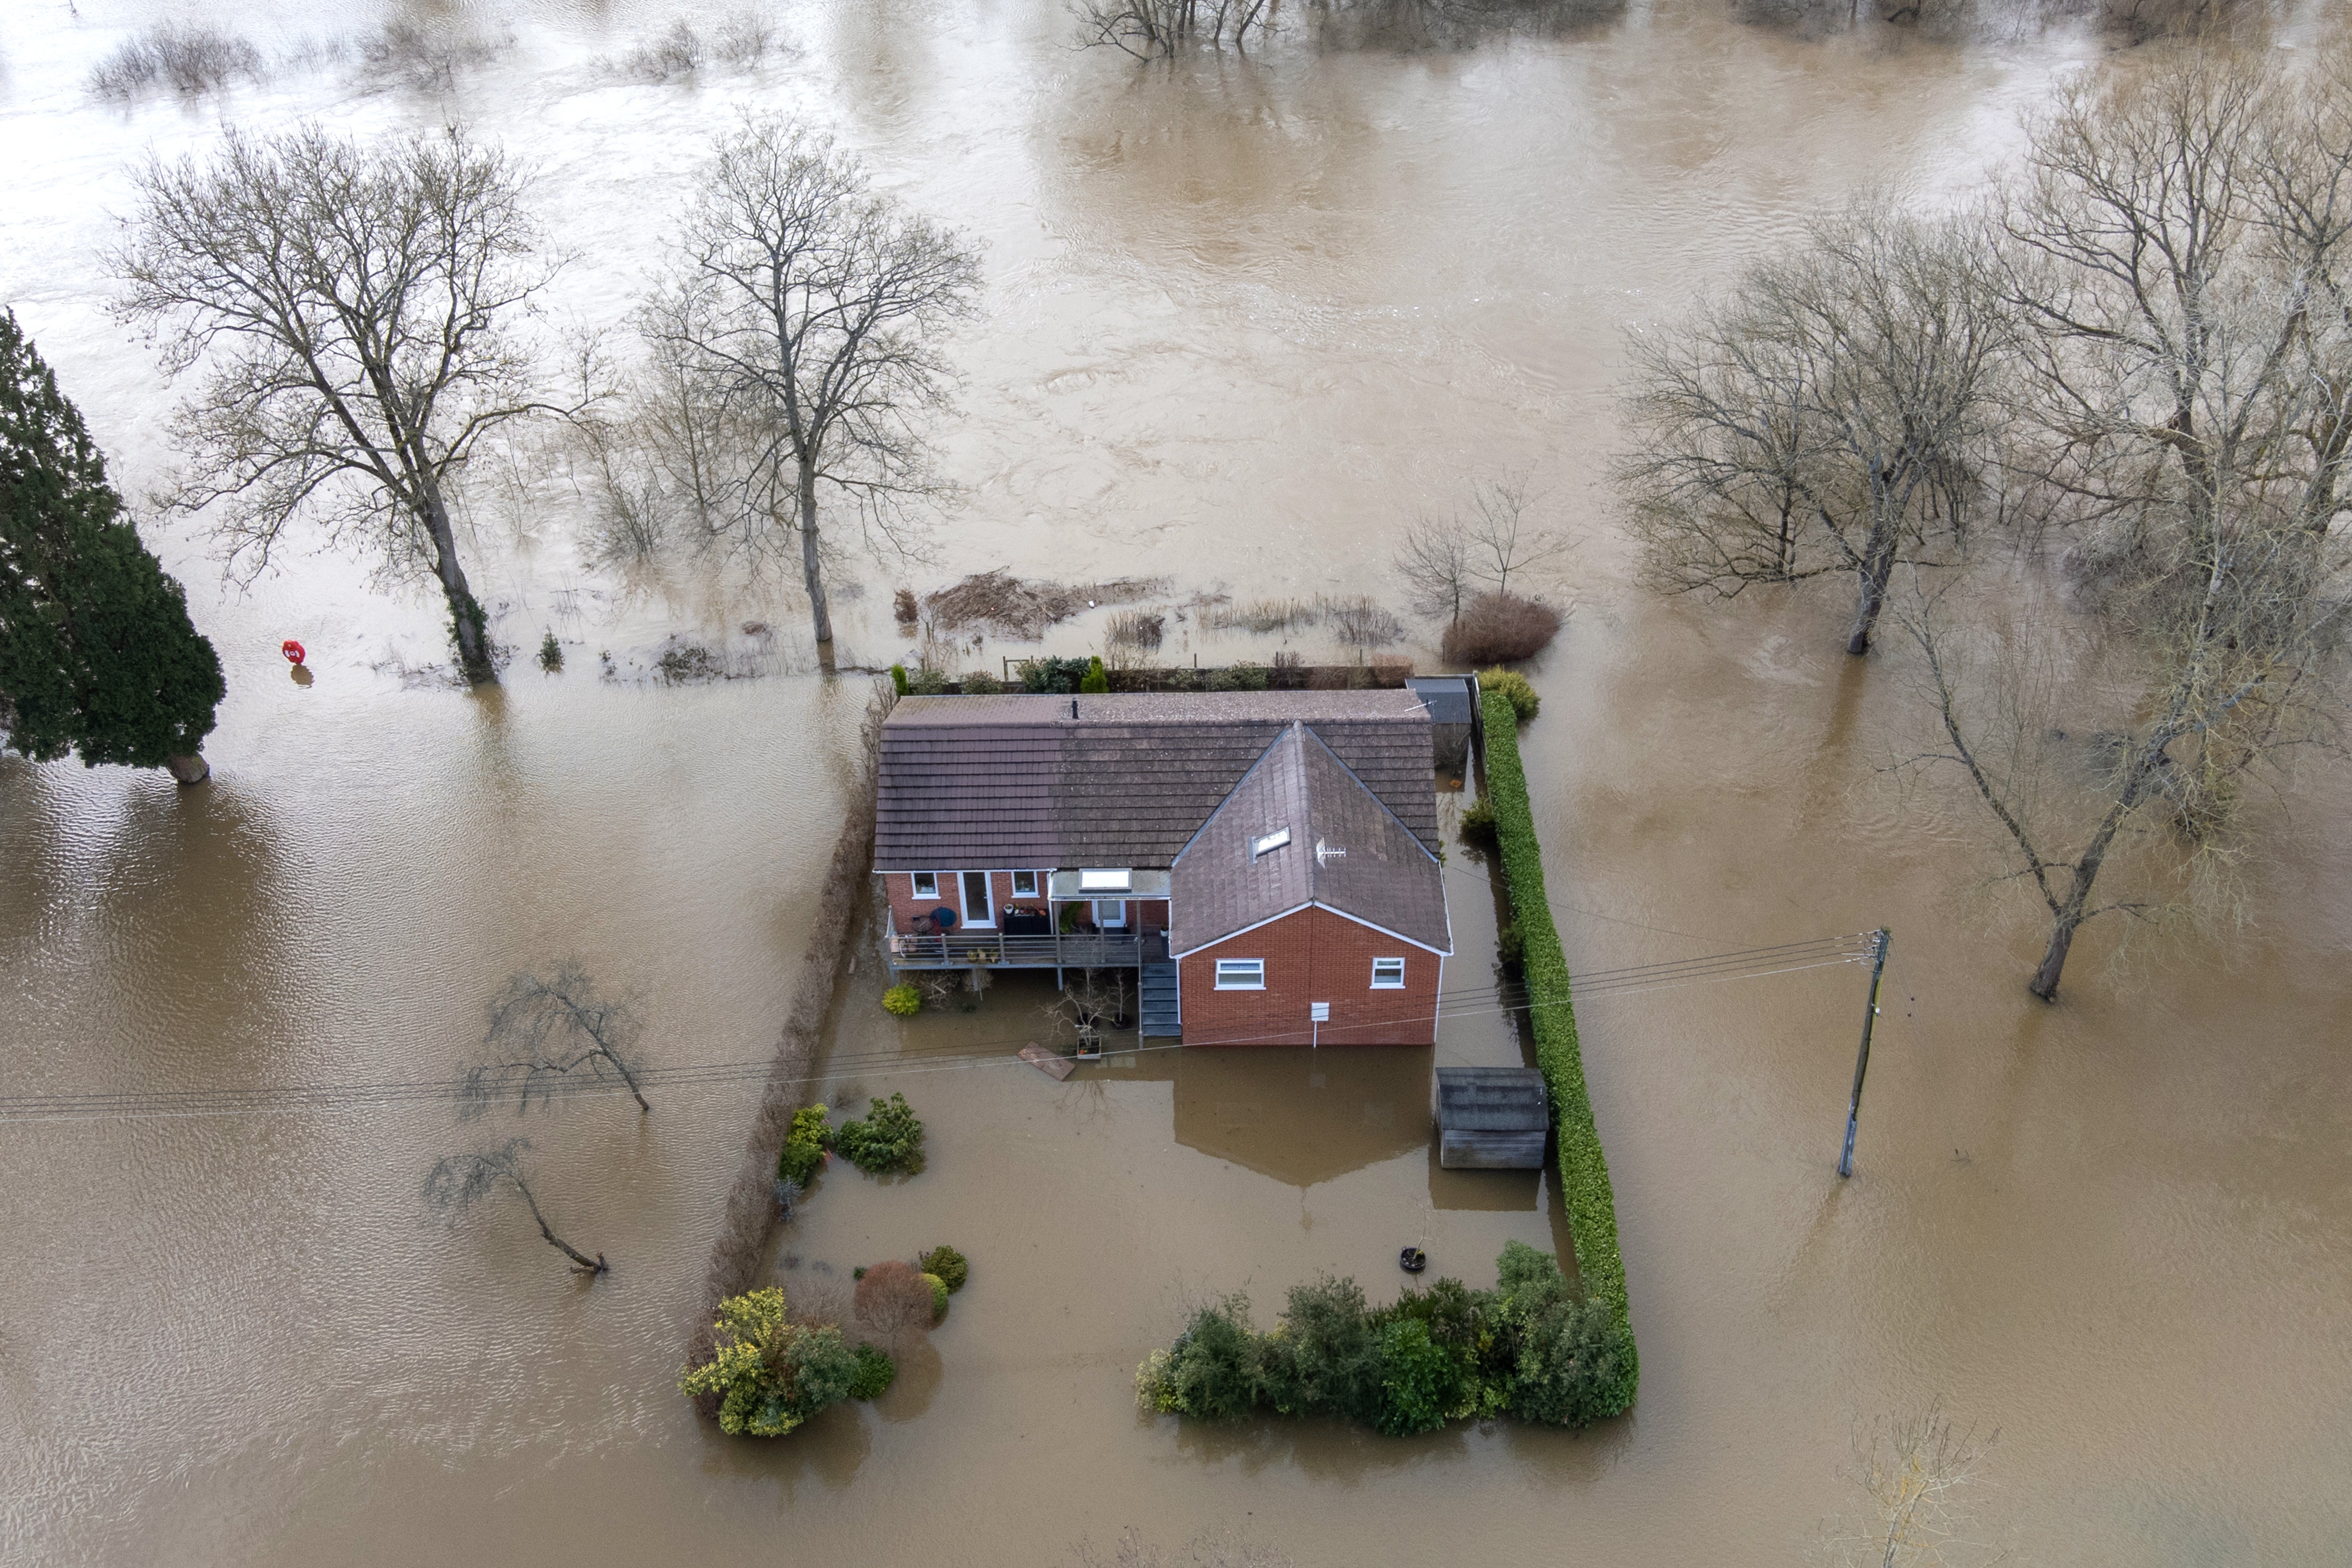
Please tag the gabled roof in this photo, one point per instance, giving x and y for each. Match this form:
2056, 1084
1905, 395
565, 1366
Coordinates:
990, 782
1341, 849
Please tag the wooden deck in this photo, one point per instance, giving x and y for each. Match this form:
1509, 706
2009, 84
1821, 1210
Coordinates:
993, 950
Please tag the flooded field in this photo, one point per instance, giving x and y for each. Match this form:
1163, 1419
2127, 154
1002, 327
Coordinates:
1244, 318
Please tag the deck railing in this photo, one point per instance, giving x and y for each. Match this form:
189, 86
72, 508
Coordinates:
964, 949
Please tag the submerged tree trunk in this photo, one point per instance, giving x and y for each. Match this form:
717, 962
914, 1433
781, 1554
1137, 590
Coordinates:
468, 625
812, 570
580, 1260
189, 770
2045, 982
1877, 564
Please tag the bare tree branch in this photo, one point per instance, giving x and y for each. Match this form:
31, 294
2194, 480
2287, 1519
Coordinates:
457, 1182
541, 1032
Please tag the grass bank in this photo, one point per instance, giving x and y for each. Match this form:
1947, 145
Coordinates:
1583, 1167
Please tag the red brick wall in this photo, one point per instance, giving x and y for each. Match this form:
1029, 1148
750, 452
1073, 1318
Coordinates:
905, 906
1311, 956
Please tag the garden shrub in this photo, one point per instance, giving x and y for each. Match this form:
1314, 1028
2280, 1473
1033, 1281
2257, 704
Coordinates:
1097, 679
1211, 1372
888, 1142
903, 1000
980, 682
874, 1374
1325, 1358
1514, 689
1583, 1166
898, 678
805, 1143
1418, 1381
949, 1265
1496, 628
769, 1375
1528, 1349
1511, 947
1478, 823
1058, 675
938, 1295
925, 681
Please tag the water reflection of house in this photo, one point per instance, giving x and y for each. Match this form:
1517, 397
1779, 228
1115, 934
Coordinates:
1265, 861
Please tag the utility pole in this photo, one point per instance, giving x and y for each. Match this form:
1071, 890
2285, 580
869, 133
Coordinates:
1862, 1057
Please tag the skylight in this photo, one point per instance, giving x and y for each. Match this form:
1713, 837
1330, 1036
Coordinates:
1268, 843
1105, 881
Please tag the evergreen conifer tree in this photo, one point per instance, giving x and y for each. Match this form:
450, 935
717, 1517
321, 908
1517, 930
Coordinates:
96, 654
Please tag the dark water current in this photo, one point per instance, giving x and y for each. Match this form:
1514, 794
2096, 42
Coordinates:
1244, 318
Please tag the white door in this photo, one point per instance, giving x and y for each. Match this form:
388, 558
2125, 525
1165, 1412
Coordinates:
977, 909
1110, 914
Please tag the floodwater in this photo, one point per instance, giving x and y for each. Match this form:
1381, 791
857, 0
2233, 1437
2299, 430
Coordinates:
1244, 318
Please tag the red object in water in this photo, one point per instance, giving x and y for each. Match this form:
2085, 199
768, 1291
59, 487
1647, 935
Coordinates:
292, 650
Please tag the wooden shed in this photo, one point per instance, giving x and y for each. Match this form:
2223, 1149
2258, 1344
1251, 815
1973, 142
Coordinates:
1491, 1119
1452, 702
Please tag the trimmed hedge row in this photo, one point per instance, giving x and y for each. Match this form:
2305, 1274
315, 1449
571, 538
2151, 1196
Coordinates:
1583, 1167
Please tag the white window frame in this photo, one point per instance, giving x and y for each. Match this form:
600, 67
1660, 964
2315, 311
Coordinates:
1033, 880
1099, 881
1231, 972
1110, 914
1380, 985
932, 891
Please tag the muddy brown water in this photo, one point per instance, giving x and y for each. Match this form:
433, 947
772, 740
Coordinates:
1243, 317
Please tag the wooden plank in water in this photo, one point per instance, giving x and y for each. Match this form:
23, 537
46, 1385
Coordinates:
1052, 1064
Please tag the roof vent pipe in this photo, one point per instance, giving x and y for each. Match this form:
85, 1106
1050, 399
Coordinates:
1074, 707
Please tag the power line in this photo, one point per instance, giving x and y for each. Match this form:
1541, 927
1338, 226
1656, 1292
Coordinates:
1487, 1001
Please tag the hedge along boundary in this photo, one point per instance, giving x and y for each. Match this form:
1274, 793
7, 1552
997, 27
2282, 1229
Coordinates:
750, 1214
1583, 1167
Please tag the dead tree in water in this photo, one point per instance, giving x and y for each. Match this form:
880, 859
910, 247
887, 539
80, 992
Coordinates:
457, 1182
543, 1031
1445, 561
2179, 256
806, 315
1151, 30
351, 304
1831, 416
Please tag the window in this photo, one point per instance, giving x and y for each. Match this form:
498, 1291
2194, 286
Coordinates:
1269, 843
927, 884
1025, 884
1241, 974
1388, 974
1105, 881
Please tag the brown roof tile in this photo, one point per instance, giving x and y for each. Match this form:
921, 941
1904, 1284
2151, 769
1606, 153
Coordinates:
1346, 851
991, 782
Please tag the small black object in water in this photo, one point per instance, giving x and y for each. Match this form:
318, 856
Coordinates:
1412, 1260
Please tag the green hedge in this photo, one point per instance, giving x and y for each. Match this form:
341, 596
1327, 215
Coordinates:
1583, 1167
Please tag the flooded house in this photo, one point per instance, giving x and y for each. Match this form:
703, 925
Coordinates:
1265, 862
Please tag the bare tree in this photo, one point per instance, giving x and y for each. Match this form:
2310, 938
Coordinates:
1832, 416
1445, 561
895, 1300
1434, 562
457, 1182
1133, 1551
1915, 1473
352, 305
2179, 252
547, 1034
805, 321
1153, 30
